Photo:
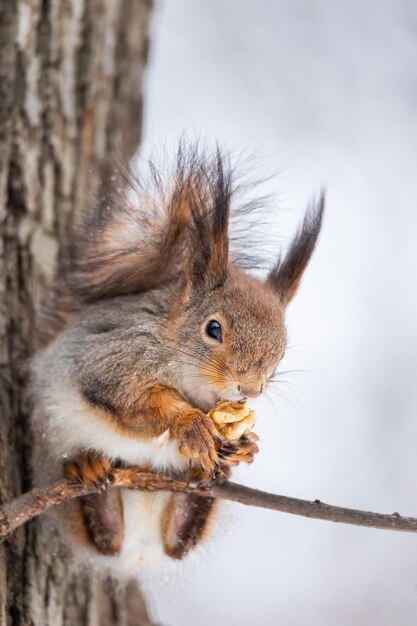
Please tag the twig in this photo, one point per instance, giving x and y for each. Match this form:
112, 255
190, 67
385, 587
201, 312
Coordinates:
36, 501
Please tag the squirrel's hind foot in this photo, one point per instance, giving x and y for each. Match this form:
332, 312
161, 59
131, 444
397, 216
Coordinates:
102, 512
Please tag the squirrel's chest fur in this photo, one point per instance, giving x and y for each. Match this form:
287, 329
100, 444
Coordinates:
72, 425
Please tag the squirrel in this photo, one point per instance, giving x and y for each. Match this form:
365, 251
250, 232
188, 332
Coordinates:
153, 321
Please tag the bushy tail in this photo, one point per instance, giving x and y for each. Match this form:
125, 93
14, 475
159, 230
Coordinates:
141, 234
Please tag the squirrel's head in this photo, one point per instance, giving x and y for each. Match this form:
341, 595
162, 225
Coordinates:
225, 331
229, 326
231, 338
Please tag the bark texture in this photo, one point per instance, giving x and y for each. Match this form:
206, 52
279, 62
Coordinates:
70, 91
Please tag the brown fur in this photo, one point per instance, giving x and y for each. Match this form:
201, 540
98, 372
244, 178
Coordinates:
184, 523
90, 468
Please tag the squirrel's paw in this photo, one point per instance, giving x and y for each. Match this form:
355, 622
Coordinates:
241, 450
89, 468
200, 477
197, 438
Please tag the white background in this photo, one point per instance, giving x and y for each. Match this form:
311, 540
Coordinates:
323, 92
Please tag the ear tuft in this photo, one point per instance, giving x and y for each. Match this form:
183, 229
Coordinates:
286, 275
206, 191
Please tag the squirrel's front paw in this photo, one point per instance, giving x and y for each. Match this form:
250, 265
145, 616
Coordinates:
89, 468
241, 450
197, 437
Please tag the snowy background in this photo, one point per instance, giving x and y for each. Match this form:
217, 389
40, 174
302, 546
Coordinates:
323, 92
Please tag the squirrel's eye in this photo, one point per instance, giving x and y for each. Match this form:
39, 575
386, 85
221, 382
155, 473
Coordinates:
214, 330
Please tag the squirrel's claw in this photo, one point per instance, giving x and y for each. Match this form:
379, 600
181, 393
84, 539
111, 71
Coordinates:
204, 476
242, 450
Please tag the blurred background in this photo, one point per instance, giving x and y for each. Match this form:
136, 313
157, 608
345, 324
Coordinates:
323, 93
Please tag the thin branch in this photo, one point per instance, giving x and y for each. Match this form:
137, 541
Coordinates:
36, 501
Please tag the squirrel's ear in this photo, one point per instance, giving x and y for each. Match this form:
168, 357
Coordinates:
209, 262
209, 210
286, 275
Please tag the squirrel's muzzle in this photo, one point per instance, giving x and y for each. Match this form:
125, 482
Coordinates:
253, 390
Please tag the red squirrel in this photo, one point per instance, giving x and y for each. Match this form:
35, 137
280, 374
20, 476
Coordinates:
154, 321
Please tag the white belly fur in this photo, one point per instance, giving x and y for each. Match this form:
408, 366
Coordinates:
71, 428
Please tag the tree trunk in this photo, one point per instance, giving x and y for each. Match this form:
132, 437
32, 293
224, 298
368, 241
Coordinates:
70, 91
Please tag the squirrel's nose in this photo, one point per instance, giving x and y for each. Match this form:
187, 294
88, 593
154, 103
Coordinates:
251, 391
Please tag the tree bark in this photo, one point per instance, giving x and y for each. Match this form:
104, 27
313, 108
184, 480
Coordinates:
71, 74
